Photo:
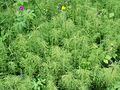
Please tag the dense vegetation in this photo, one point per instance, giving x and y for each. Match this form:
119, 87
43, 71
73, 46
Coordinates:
60, 45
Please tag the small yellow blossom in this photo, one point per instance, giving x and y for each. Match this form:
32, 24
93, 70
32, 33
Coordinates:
63, 8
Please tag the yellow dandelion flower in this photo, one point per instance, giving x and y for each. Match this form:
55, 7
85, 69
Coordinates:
63, 8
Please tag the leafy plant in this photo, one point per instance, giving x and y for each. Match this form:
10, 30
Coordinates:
59, 45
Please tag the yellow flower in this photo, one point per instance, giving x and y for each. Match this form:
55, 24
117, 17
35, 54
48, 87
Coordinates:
63, 8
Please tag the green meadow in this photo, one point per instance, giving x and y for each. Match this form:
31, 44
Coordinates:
59, 44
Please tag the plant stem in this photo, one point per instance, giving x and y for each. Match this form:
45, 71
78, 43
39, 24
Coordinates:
38, 6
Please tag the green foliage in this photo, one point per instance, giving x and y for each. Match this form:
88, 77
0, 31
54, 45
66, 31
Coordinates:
3, 56
30, 63
60, 45
16, 83
23, 18
79, 80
